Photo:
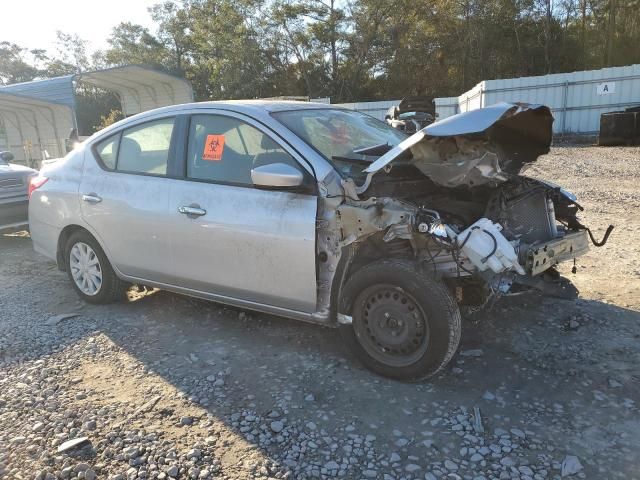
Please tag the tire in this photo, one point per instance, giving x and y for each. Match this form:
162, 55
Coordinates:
110, 288
405, 323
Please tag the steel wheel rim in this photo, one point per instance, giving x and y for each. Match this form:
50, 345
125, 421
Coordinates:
391, 326
85, 268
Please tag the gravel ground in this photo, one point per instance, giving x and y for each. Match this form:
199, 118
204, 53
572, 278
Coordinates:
164, 386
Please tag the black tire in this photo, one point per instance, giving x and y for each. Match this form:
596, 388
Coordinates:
414, 297
112, 289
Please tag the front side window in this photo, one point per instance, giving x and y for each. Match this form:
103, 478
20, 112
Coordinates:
145, 148
338, 134
225, 149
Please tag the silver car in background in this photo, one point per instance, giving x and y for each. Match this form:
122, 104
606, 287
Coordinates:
14, 192
315, 213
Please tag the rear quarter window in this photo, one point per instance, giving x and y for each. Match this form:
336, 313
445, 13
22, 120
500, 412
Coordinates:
107, 151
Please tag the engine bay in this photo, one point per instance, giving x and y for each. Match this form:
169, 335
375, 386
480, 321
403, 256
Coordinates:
453, 198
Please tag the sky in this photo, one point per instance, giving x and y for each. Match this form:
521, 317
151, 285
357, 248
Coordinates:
33, 23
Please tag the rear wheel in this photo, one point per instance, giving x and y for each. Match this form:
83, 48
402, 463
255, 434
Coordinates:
89, 270
405, 324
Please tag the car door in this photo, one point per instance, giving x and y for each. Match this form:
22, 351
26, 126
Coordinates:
124, 196
242, 242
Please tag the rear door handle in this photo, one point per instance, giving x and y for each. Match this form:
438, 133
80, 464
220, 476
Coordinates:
192, 211
91, 198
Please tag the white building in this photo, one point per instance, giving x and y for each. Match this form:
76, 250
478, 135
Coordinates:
576, 99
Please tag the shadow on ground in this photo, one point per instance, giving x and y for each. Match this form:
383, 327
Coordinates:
564, 372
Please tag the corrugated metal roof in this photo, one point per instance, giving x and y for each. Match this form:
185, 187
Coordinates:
59, 89
140, 88
39, 115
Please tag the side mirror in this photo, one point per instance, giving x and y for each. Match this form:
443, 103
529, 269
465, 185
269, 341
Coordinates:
276, 175
6, 156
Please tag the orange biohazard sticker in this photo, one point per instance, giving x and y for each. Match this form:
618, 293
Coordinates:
213, 148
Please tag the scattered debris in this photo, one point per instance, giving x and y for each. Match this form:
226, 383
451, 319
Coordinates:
570, 466
56, 319
472, 353
613, 383
186, 420
73, 443
477, 420
488, 396
147, 406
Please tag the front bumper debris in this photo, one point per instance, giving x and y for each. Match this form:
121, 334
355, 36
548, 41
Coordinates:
545, 255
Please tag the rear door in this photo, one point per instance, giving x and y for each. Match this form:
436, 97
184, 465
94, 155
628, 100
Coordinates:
243, 242
124, 197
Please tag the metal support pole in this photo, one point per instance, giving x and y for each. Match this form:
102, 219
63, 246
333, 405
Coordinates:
565, 95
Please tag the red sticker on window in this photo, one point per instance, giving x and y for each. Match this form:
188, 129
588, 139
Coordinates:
213, 148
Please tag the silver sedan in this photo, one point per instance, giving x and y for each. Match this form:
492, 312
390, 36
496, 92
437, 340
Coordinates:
315, 213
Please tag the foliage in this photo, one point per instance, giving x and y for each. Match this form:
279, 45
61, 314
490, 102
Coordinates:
112, 117
95, 108
349, 49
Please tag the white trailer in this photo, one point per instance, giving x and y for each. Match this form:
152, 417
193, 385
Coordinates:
576, 99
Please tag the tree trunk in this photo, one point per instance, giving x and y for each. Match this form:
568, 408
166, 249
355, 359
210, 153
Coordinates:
611, 30
547, 34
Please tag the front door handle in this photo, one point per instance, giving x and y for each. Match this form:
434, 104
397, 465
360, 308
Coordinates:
91, 198
192, 211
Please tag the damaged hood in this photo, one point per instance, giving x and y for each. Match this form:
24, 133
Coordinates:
476, 147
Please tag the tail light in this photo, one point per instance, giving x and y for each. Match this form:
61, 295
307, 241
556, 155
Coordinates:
35, 183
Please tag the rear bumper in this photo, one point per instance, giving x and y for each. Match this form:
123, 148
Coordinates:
44, 238
544, 255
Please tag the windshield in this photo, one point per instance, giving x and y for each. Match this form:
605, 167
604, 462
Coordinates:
339, 134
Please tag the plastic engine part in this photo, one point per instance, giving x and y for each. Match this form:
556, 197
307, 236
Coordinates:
486, 247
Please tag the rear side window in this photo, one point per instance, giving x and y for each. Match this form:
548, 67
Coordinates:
145, 148
225, 149
107, 150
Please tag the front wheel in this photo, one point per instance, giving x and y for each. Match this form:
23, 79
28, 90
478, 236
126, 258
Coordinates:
405, 324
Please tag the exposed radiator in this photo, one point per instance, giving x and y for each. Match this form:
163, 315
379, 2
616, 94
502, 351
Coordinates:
528, 216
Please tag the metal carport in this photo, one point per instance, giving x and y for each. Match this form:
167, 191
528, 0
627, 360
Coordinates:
140, 88
33, 127
38, 116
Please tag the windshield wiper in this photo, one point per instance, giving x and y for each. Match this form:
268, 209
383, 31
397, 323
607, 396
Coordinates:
374, 150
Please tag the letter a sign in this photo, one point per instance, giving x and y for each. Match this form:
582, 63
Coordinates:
606, 88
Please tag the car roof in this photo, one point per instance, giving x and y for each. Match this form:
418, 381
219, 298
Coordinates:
253, 108
269, 105
246, 106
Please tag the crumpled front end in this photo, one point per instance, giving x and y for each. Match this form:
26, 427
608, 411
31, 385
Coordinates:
475, 148
452, 198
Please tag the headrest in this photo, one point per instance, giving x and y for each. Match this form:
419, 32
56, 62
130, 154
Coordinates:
267, 144
129, 146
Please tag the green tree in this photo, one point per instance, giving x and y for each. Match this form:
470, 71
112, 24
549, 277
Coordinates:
134, 44
14, 67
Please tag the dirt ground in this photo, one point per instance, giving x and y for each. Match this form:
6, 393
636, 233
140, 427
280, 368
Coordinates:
165, 386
